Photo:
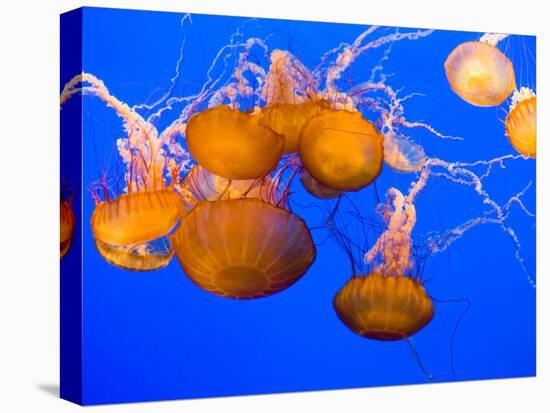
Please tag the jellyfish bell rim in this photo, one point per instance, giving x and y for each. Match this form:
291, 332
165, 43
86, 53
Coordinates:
335, 186
109, 254
274, 141
381, 334
477, 99
211, 285
102, 216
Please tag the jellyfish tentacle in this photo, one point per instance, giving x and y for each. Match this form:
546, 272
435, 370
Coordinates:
418, 359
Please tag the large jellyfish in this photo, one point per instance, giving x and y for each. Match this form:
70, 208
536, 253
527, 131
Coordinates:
243, 248
240, 240
233, 144
480, 73
521, 122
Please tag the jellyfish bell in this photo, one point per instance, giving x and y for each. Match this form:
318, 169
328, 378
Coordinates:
403, 155
243, 248
233, 144
316, 188
67, 223
341, 150
387, 303
288, 119
480, 73
382, 307
136, 217
521, 122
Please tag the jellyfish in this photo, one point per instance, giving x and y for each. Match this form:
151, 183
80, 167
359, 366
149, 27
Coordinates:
480, 73
233, 144
131, 228
290, 98
288, 119
67, 223
136, 217
388, 303
403, 155
140, 257
201, 185
384, 308
243, 248
341, 150
521, 122
316, 188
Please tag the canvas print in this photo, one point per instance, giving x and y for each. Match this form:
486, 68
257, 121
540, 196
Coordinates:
257, 206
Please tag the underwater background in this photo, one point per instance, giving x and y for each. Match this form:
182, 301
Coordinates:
156, 335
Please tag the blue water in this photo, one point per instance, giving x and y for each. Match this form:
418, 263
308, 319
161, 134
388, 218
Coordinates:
156, 335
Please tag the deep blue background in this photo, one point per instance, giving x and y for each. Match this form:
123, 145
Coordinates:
157, 336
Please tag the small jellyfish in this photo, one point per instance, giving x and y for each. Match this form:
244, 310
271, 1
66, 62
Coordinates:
403, 155
316, 188
480, 73
67, 223
383, 307
521, 122
233, 144
341, 150
288, 119
141, 257
243, 248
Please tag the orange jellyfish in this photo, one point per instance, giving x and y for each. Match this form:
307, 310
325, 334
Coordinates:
200, 185
387, 304
124, 227
243, 248
521, 122
141, 257
480, 73
136, 217
288, 119
132, 231
233, 144
67, 223
291, 98
316, 188
383, 308
341, 150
